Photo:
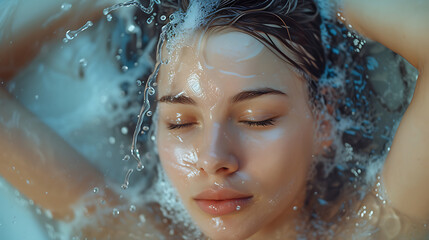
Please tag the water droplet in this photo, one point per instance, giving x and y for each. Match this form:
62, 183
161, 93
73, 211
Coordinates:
127, 179
132, 208
112, 140
66, 6
139, 83
131, 28
157, 1
28, 181
153, 138
124, 68
149, 113
115, 212
150, 20
145, 128
142, 218
83, 63
295, 208
163, 18
126, 158
238, 208
124, 130
151, 91
70, 35
95, 190
140, 167
109, 17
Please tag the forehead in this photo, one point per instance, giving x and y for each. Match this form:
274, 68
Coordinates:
223, 55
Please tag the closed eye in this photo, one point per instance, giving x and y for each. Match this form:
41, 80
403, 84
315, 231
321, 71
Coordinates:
179, 126
264, 123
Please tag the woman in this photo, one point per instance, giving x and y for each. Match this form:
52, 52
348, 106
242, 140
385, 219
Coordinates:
236, 131
238, 123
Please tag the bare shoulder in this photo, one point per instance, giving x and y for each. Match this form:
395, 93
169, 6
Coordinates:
375, 218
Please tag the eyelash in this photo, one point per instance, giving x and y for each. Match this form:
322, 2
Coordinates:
179, 126
264, 123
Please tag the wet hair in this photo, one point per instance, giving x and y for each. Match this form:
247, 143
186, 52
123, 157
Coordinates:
294, 23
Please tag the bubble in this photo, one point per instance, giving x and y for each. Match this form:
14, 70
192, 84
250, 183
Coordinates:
238, 208
295, 208
163, 18
150, 20
145, 128
132, 208
48, 214
139, 83
115, 212
153, 138
28, 181
95, 190
124, 130
112, 140
151, 91
124, 68
109, 17
149, 113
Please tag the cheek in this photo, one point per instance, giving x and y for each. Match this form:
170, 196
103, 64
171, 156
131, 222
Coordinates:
177, 158
279, 159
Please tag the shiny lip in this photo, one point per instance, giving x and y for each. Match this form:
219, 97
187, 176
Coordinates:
221, 194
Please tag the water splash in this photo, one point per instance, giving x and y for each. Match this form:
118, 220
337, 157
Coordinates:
127, 179
132, 3
70, 35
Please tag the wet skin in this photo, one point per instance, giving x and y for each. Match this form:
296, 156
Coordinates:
235, 123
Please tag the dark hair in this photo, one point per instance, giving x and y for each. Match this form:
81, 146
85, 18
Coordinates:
295, 23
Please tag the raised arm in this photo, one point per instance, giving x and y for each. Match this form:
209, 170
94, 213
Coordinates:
24, 25
403, 27
36, 161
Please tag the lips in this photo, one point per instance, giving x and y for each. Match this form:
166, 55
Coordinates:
218, 202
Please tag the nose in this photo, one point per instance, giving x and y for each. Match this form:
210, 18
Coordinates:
216, 152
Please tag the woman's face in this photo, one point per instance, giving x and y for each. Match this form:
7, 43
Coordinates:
235, 134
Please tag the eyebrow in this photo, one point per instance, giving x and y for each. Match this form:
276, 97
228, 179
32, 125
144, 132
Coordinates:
180, 99
242, 96
247, 95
